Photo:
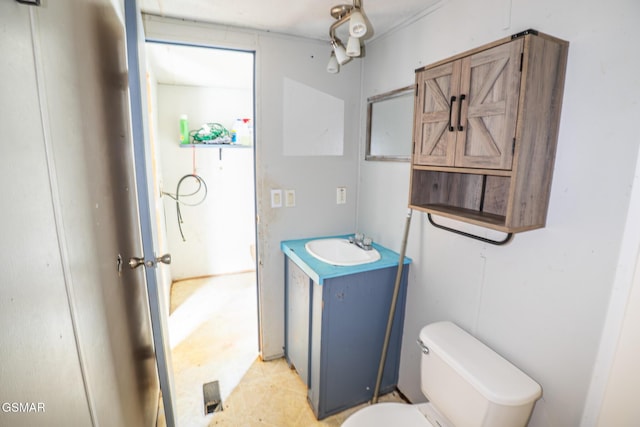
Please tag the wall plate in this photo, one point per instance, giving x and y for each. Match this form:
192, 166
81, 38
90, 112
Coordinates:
276, 198
289, 198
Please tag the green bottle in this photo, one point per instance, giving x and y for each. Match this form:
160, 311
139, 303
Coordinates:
184, 129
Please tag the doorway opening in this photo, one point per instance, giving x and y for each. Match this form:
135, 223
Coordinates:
207, 220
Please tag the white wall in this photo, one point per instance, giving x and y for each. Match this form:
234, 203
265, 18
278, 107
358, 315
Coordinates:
620, 407
314, 178
165, 278
220, 232
542, 300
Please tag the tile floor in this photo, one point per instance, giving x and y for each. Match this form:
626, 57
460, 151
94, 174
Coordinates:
213, 332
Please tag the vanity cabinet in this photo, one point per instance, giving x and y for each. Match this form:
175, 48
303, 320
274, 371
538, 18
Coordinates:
485, 131
335, 323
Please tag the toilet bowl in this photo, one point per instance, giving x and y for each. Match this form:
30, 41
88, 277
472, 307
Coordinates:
467, 385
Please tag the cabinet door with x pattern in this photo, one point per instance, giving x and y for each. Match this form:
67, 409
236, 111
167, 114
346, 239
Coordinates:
489, 94
435, 142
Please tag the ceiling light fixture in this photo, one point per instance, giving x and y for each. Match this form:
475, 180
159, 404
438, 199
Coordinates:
333, 66
357, 26
340, 52
357, 29
353, 47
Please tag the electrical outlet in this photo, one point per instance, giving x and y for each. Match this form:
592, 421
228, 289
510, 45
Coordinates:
276, 198
289, 198
341, 195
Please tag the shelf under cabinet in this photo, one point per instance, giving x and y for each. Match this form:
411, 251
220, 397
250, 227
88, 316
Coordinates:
476, 198
476, 192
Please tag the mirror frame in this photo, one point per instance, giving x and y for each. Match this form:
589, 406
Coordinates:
378, 98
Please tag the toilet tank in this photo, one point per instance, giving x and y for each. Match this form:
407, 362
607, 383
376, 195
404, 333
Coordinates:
470, 384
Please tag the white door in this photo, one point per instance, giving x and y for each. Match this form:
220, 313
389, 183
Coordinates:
150, 259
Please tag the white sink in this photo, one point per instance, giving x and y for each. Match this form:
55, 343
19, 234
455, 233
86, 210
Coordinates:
338, 251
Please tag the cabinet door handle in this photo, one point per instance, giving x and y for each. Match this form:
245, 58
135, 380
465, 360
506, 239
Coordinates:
453, 99
462, 98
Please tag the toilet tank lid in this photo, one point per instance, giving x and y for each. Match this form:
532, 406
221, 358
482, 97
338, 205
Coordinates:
488, 372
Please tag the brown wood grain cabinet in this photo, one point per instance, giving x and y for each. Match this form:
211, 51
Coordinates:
485, 132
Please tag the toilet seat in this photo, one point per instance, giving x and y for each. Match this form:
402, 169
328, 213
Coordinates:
388, 414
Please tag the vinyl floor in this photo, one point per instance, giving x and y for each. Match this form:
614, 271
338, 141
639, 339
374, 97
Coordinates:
214, 336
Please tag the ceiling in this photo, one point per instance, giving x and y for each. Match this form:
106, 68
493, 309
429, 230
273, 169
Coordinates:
193, 66
304, 18
199, 66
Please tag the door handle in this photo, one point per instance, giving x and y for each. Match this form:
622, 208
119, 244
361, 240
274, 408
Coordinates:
462, 98
165, 259
135, 262
453, 99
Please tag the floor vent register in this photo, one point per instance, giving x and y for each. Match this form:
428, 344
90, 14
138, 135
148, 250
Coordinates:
212, 399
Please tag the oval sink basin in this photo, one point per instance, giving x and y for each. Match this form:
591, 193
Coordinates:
338, 251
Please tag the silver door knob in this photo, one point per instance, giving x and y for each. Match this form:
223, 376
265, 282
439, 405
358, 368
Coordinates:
135, 262
165, 259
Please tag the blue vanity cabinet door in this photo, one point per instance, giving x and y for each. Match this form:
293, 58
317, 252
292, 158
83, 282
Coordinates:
348, 326
297, 319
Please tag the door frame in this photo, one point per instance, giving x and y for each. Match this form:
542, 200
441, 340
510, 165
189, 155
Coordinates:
179, 42
143, 173
160, 326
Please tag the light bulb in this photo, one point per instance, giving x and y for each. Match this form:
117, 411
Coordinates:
353, 46
357, 26
332, 66
341, 54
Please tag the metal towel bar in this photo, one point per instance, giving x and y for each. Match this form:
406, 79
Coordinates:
472, 236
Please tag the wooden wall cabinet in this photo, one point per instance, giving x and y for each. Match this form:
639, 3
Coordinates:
485, 131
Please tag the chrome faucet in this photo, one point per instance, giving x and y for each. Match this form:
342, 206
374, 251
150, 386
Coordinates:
361, 241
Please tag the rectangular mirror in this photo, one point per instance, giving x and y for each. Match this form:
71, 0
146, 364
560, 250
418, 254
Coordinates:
390, 125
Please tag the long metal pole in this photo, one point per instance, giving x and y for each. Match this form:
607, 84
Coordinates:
392, 309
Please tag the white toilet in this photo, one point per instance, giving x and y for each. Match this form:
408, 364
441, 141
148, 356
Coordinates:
467, 385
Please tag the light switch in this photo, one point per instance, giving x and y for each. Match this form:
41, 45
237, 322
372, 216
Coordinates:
289, 198
341, 195
276, 198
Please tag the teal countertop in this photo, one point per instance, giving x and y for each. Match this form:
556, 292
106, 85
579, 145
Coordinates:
319, 271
